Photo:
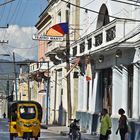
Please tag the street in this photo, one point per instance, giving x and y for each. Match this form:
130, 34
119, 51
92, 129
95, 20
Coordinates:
4, 134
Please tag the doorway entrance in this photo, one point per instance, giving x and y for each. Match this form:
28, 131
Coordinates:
106, 78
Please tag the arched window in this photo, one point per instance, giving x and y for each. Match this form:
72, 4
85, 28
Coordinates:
103, 17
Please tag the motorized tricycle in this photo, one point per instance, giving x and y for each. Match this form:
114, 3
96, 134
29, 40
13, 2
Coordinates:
24, 119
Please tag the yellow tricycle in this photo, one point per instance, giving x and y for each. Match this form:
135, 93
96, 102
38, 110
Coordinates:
24, 119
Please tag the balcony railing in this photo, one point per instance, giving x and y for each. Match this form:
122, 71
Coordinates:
103, 37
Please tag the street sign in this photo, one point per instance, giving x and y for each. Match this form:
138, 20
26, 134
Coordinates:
47, 38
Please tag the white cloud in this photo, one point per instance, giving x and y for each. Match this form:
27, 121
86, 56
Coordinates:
20, 41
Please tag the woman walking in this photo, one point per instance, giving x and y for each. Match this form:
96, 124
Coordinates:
105, 129
122, 128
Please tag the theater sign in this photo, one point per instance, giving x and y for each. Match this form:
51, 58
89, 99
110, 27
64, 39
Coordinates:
55, 33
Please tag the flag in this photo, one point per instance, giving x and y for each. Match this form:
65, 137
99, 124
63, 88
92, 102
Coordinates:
88, 72
82, 65
58, 30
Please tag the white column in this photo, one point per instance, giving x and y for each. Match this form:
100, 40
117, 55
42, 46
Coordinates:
94, 94
80, 93
90, 94
139, 93
135, 93
116, 91
125, 89
85, 94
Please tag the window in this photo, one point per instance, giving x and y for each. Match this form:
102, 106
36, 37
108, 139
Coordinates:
82, 47
111, 34
89, 43
59, 17
27, 112
98, 39
74, 51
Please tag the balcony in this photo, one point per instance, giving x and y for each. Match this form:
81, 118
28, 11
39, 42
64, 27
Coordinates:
103, 38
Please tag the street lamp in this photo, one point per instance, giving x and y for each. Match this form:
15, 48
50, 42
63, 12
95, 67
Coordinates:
118, 55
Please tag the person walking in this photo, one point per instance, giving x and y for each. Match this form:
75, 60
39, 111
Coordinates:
122, 126
4, 115
105, 129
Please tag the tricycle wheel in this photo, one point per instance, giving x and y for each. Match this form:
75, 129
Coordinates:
28, 137
36, 138
11, 137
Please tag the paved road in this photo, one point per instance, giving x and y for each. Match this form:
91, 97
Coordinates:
4, 134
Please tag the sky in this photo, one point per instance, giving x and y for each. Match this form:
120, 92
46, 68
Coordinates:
21, 15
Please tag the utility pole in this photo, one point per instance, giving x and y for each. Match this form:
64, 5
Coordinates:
48, 90
15, 75
29, 90
68, 68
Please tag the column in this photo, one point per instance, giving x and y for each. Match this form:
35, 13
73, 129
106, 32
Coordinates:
90, 95
139, 93
116, 91
125, 89
135, 113
80, 93
85, 94
94, 92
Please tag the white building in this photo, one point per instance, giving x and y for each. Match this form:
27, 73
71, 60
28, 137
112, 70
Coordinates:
110, 38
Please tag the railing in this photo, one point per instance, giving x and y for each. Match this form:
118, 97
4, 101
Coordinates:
105, 36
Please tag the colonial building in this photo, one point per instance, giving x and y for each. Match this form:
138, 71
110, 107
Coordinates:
56, 12
110, 42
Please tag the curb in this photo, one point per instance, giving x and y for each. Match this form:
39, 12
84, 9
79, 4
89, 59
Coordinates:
43, 126
83, 136
64, 133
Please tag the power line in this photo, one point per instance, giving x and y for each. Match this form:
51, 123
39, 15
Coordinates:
6, 2
22, 47
100, 12
134, 1
126, 2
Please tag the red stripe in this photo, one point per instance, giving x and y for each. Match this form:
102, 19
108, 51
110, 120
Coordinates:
88, 78
58, 29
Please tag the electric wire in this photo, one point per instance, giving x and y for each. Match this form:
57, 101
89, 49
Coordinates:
134, 1
100, 12
23, 48
125, 2
8, 14
18, 9
6, 2
23, 11
2, 13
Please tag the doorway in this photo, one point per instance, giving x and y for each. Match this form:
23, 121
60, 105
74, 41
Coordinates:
106, 80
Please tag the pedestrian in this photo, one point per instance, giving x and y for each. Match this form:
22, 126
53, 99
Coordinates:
105, 129
122, 126
4, 115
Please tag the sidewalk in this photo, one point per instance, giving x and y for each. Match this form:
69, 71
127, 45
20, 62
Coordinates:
63, 130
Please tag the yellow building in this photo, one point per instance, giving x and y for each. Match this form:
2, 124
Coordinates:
23, 90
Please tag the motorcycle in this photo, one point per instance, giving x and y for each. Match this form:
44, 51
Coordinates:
74, 130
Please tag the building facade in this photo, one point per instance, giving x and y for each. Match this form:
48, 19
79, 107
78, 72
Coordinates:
110, 42
56, 12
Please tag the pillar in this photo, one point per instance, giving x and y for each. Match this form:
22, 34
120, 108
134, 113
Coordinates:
116, 91
125, 89
80, 93
135, 113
